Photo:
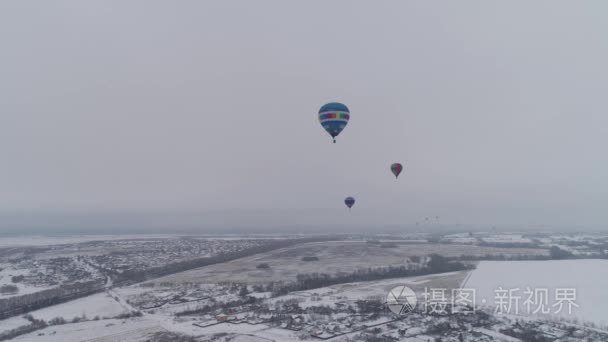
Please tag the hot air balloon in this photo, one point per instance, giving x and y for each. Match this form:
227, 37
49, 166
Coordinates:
396, 169
333, 117
349, 201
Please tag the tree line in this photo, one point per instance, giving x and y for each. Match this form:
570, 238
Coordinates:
35, 324
555, 253
12, 306
436, 264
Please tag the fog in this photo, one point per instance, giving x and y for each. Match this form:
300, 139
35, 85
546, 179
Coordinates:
204, 113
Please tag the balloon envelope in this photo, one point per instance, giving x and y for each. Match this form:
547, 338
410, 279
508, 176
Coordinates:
333, 117
396, 168
349, 201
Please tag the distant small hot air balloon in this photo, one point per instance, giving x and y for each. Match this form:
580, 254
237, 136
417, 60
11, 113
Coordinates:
396, 169
349, 201
333, 117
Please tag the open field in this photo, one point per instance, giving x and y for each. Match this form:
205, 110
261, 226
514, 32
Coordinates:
113, 330
587, 277
334, 257
98, 305
352, 292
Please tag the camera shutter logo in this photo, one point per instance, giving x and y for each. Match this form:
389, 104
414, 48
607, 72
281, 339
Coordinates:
401, 300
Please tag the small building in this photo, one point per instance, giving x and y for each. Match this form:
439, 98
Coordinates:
224, 318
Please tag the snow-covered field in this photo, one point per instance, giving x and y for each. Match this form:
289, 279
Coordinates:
12, 323
506, 238
41, 240
7, 271
463, 240
588, 277
100, 304
334, 257
96, 331
352, 292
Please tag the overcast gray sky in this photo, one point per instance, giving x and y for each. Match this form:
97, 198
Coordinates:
498, 110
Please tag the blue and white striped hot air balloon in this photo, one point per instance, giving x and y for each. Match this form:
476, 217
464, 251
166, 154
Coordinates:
333, 117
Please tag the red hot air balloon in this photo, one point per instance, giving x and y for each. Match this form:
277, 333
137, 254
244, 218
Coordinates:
396, 168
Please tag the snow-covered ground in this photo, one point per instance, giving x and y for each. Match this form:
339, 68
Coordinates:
98, 331
379, 289
12, 323
334, 257
463, 240
506, 238
7, 272
588, 277
100, 304
41, 240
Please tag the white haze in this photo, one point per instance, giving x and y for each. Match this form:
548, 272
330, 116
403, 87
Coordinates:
114, 109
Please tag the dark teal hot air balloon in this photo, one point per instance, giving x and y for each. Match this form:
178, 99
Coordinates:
333, 117
349, 201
